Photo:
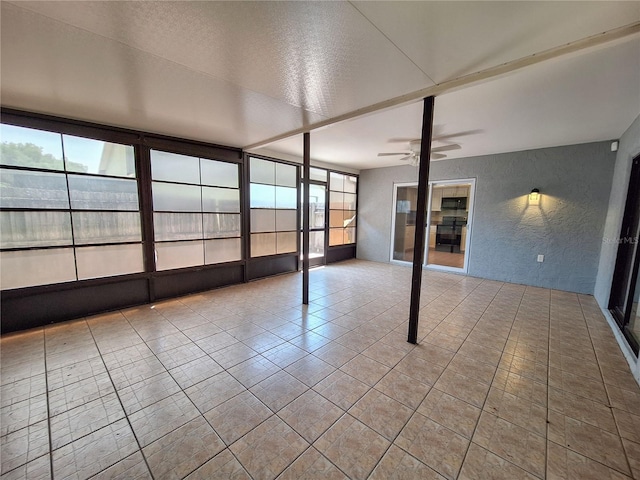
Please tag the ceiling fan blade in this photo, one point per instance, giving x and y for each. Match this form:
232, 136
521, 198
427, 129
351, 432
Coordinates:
408, 157
392, 153
446, 148
402, 140
438, 156
458, 134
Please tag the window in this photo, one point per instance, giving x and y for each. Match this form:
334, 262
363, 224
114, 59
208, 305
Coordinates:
274, 207
196, 210
68, 208
342, 209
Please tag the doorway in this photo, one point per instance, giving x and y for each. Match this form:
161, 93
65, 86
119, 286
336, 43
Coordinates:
449, 224
405, 200
625, 288
317, 223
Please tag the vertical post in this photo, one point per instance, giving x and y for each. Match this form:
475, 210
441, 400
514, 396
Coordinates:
306, 172
421, 218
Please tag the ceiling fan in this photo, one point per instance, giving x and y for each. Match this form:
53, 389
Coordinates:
413, 155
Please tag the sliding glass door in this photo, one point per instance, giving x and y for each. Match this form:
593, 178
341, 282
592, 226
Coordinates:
625, 288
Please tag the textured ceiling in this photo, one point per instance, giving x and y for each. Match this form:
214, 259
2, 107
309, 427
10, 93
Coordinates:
238, 73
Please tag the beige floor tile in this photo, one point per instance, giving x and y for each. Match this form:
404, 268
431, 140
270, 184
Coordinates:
142, 394
134, 467
620, 378
237, 416
450, 412
233, 355
74, 373
310, 341
518, 410
223, 466
356, 340
438, 447
632, 450
465, 388
23, 446
365, 369
310, 370
283, 355
213, 391
470, 367
335, 354
330, 330
310, 415
481, 464
38, 469
594, 413
216, 342
387, 354
399, 465
195, 371
278, 390
95, 452
135, 372
22, 414
588, 440
253, 371
382, 413
160, 418
419, 368
341, 389
579, 385
510, 441
565, 464
527, 368
268, 449
628, 424
183, 450
352, 446
126, 356
624, 399
402, 388
521, 386
178, 356
311, 465
84, 419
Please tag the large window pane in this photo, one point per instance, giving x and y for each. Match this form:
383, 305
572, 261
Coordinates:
263, 196
286, 175
350, 184
349, 201
97, 193
35, 229
350, 235
263, 244
109, 260
95, 156
263, 171
220, 200
179, 254
23, 189
177, 198
318, 174
286, 197
172, 167
106, 227
286, 220
336, 200
177, 226
222, 250
335, 236
286, 242
220, 225
349, 218
336, 218
220, 174
263, 220
25, 268
28, 147
336, 182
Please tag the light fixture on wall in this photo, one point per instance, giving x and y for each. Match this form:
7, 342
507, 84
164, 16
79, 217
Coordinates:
534, 197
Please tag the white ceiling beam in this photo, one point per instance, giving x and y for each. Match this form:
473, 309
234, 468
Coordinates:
467, 80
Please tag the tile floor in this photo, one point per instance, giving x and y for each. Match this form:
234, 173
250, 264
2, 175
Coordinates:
507, 382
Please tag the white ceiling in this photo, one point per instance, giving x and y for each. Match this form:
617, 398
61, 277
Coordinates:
237, 73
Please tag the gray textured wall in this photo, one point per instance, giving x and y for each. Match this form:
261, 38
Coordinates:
507, 234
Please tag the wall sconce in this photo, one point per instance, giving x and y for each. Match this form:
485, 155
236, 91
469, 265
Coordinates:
534, 197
